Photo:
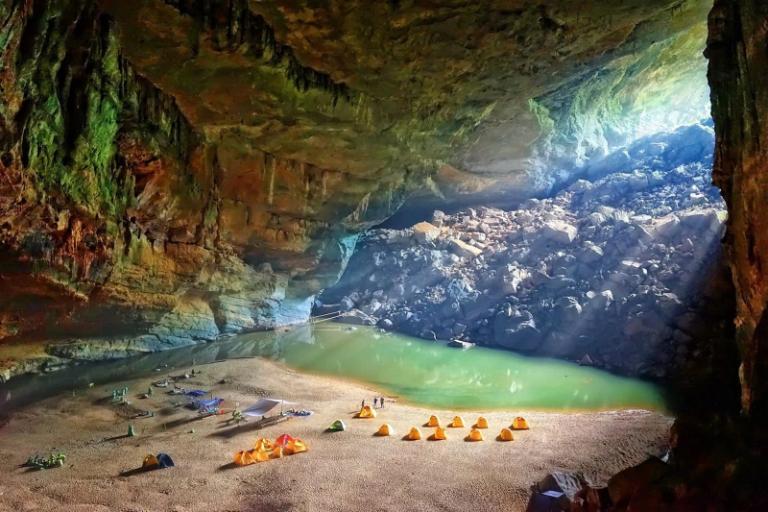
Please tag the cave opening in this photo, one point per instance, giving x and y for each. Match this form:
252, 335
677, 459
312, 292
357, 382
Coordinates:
612, 256
228, 222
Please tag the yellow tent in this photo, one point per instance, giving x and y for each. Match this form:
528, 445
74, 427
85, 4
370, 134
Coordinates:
263, 444
385, 430
150, 461
481, 422
439, 435
277, 453
519, 423
260, 455
414, 434
295, 446
433, 421
366, 412
458, 422
505, 435
474, 435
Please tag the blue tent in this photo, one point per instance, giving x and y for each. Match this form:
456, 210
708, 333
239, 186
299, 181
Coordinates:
196, 392
164, 461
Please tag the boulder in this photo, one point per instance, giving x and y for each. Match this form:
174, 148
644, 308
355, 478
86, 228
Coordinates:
424, 232
559, 231
463, 249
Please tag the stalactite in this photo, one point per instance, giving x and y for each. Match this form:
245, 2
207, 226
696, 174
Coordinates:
234, 25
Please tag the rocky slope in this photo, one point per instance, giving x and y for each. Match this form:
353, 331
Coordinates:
615, 270
172, 171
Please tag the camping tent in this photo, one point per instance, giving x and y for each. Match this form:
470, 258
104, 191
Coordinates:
295, 446
263, 444
337, 426
263, 406
519, 423
433, 421
414, 434
439, 435
385, 430
160, 461
474, 435
366, 412
283, 440
482, 422
164, 460
505, 435
150, 462
458, 422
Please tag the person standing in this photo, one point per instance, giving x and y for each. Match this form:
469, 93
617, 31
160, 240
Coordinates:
375, 401
381, 402
363, 403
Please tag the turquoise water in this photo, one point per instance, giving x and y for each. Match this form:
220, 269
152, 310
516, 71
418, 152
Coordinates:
429, 373
414, 370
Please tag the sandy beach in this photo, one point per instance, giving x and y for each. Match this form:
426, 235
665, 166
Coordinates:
345, 471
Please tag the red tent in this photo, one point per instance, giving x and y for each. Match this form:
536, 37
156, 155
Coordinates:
283, 440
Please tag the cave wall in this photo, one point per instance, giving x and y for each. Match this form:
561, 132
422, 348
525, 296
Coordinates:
738, 55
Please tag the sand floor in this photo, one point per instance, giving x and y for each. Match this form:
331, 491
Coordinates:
350, 470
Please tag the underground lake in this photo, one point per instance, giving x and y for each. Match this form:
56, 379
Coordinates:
410, 369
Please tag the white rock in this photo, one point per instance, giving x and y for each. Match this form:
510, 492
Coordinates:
463, 249
560, 231
425, 232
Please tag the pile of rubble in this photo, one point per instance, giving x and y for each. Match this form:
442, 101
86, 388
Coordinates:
610, 271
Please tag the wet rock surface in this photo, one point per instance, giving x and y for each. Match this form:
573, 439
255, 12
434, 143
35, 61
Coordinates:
611, 271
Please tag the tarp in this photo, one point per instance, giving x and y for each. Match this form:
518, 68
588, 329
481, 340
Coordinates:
519, 423
385, 430
433, 421
475, 435
458, 422
482, 422
263, 406
202, 405
439, 435
414, 434
505, 435
366, 412
337, 426
196, 392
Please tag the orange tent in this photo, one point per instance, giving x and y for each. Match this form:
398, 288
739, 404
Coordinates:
295, 446
366, 412
414, 434
505, 435
433, 421
458, 422
385, 430
481, 422
519, 423
247, 457
474, 435
150, 462
439, 435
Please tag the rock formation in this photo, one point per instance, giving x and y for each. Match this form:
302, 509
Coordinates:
174, 171
737, 75
617, 270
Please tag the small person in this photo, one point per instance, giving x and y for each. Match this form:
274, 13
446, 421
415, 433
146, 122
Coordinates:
381, 402
363, 403
375, 402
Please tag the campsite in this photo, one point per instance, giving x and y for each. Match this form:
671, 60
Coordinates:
343, 468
